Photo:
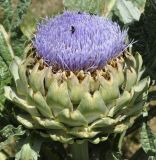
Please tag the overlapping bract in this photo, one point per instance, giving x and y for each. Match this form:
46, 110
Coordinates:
68, 106
79, 41
78, 86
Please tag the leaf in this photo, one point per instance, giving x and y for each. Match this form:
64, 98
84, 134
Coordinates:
148, 140
9, 132
26, 153
91, 6
6, 55
30, 149
6, 51
12, 20
140, 4
144, 32
127, 11
17, 37
20, 12
5, 78
112, 155
7, 13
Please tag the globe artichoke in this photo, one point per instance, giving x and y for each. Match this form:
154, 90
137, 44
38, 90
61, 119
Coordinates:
81, 83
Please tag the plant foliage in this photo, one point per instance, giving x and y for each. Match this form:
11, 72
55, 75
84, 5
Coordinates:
8, 133
10, 38
142, 28
144, 32
148, 141
91, 6
29, 149
12, 19
5, 58
127, 11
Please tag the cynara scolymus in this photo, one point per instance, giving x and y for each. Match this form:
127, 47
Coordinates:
79, 41
80, 83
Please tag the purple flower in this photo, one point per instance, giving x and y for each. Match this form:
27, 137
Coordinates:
79, 41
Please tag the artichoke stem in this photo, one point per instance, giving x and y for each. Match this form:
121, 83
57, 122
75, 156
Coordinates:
80, 151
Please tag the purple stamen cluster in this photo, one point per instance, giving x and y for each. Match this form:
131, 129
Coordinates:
79, 41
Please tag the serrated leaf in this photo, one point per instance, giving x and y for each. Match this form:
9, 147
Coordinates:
9, 132
6, 55
148, 139
17, 37
30, 149
91, 6
7, 13
129, 11
20, 12
6, 51
5, 78
12, 20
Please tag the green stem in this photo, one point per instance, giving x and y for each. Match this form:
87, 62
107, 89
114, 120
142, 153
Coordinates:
80, 151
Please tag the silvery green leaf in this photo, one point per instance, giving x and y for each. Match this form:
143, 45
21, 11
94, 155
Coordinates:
12, 19
20, 12
26, 153
151, 157
129, 11
4, 80
7, 13
140, 4
6, 51
9, 132
6, 55
30, 149
3, 156
148, 139
92, 6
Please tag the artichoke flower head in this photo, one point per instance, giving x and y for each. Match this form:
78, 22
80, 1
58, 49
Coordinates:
79, 41
81, 83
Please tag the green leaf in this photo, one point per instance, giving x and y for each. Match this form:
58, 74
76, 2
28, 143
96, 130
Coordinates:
140, 4
20, 12
12, 20
17, 37
6, 51
127, 11
9, 132
4, 80
112, 155
30, 149
92, 6
144, 32
148, 140
6, 55
7, 13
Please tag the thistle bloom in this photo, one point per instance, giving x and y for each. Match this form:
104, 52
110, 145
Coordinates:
79, 41
77, 106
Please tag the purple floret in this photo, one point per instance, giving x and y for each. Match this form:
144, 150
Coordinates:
79, 41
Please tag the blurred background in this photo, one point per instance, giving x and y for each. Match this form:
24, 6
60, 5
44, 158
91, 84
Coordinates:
143, 31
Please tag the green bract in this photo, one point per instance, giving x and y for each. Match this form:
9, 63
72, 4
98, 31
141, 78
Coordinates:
68, 106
